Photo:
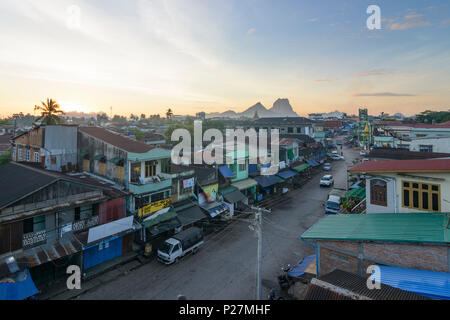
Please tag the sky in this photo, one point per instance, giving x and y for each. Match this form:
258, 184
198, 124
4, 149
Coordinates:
145, 56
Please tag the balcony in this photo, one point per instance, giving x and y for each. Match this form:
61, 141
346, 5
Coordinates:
33, 239
149, 185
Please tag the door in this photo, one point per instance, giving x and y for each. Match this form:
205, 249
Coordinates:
102, 252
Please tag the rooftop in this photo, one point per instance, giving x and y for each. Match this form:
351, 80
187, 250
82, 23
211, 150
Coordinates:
391, 227
403, 154
117, 140
329, 287
424, 165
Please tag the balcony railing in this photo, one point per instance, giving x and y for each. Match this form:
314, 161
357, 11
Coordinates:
85, 224
34, 238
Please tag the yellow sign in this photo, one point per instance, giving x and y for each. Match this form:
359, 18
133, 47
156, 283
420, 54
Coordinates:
211, 192
154, 206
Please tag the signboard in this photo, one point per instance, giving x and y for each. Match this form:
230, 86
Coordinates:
66, 228
211, 192
188, 183
154, 206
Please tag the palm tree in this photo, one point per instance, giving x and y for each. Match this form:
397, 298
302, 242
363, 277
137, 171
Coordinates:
169, 113
49, 112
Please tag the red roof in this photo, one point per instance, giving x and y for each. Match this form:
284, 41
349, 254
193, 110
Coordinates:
122, 142
445, 125
425, 165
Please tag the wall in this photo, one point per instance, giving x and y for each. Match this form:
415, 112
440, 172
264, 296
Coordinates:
391, 196
356, 256
440, 145
444, 182
112, 210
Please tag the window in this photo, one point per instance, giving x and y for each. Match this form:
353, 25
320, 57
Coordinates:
34, 224
14, 153
290, 130
27, 155
421, 196
378, 192
186, 190
84, 212
36, 157
150, 168
425, 148
135, 171
242, 167
158, 196
20, 153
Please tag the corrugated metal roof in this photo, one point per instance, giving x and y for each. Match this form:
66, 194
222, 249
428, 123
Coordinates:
244, 184
329, 287
356, 193
410, 227
430, 284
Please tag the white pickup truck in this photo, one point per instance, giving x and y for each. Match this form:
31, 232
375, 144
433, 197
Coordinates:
180, 244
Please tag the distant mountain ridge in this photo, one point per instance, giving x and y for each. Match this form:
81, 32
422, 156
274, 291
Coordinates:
280, 108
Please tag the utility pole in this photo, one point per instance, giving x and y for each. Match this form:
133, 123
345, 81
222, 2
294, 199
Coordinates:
258, 230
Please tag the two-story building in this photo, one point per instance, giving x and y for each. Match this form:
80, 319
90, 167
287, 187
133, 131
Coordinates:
49, 220
404, 186
54, 147
141, 169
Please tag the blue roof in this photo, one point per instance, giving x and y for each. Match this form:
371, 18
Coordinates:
435, 285
19, 290
356, 185
226, 172
267, 181
252, 168
299, 270
287, 174
312, 162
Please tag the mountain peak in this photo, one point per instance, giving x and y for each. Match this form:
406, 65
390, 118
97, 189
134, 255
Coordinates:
282, 107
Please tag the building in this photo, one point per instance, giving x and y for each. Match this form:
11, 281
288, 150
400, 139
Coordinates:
141, 169
285, 125
404, 186
49, 220
403, 154
54, 147
353, 242
5, 143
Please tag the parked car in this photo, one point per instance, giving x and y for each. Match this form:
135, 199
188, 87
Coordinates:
327, 167
336, 157
362, 153
365, 159
327, 181
180, 244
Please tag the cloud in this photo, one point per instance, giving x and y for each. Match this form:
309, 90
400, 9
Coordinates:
323, 80
413, 15
383, 94
312, 20
374, 72
445, 22
414, 20
251, 31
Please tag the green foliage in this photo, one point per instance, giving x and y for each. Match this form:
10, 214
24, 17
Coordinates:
138, 134
429, 116
189, 126
4, 122
5, 157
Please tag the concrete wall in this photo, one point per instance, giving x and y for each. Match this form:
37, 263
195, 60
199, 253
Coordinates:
395, 194
356, 256
441, 145
391, 197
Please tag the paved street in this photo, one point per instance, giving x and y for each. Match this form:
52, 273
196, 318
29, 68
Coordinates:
225, 267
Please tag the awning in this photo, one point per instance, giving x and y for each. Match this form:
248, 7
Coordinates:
356, 185
299, 270
83, 154
165, 226
287, 174
359, 193
226, 172
267, 181
244, 184
215, 208
117, 160
234, 196
99, 157
190, 215
22, 287
159, 217
312, 162
109, 229
301, 167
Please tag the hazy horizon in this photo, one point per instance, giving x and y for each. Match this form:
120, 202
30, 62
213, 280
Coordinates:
147, 56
